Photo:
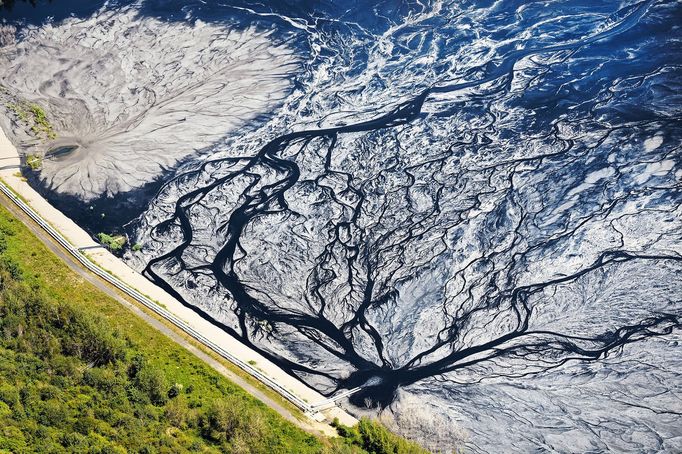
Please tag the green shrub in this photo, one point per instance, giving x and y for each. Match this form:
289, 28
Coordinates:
9, 395
12, 439
115, 243
35, 116
5, 410
42, 124
231, 422
178, 414
53, 413
66, 366
11, 266
152, 382
103, 379
174, 391
35, 162
375, 438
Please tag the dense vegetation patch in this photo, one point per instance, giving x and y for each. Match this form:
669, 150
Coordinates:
34, 161
373, 437
34, 116
80, 373
115, 243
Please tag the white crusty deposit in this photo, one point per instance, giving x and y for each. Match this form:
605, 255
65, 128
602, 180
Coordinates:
503, 247
136, 94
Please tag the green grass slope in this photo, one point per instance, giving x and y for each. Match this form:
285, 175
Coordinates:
80, 373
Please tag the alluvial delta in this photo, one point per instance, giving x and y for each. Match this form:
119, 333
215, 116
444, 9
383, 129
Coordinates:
470, 210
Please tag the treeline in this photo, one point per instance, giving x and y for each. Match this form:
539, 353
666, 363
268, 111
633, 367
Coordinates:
80, 373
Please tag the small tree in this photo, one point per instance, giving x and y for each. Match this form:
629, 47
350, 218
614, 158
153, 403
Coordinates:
152, 382
232, 422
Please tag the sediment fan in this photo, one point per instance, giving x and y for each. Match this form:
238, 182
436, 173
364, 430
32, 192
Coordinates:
502, 243
132, 96
471, 211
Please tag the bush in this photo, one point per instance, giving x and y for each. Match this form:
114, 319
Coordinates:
11, 267
152, 382
178, 413
135, 365
53, 413
12, 439
115, 243
375, 438
34, 162
174, 391
232, 422
85, 424
90, 340
74, 441
4, 410
9, 395
42, 124
102, 379
66, 366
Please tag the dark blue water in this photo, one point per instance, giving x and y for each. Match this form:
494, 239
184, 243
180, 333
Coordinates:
470, 210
